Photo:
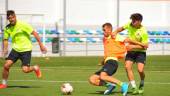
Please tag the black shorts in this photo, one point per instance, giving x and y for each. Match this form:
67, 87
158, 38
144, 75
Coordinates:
25, 57
110, 67
136, 57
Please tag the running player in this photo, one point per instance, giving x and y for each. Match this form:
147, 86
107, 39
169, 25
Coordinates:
20, 32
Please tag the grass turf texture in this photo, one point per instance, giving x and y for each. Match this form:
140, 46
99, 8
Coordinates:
76, 70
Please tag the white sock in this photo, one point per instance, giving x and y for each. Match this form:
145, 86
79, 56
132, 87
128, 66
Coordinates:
4, 81
142, 82
133, 83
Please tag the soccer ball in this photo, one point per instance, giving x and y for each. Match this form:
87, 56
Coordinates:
66, 89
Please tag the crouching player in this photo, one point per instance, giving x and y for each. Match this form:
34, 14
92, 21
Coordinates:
114, 48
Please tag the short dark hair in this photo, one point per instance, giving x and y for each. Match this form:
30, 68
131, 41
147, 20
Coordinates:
107, 24
10, 12
136, 16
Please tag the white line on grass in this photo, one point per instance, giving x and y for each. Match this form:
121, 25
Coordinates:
48, 69
52, 81
47, 81
84, 67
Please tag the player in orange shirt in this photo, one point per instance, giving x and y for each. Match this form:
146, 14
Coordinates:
114, 48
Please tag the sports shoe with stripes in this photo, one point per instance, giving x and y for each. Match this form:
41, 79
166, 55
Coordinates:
110, 88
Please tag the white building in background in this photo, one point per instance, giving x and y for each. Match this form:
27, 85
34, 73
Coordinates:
91, 14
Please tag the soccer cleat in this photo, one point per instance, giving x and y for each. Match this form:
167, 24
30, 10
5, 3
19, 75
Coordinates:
134, 91
124, 89
37, 71
2, 86
110, 88
141, 89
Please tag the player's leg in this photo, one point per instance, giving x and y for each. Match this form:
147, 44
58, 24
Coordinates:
141, 63
105, 77
95, 80
128, 67
142, 77
5, 73
141, 70
12, 58
26, 68
35, 68
109, 69
129, 60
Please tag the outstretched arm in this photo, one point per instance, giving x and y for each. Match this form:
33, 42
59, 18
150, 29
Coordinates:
42, 47
119, 29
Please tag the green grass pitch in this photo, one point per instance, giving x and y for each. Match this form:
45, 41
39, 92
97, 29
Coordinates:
76, 70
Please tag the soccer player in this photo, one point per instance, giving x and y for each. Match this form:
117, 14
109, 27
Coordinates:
136, 31
20, 32
114, 48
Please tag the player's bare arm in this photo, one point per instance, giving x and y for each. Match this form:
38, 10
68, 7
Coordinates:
129, 47
42, 47
5, 47
114, 33
133, 42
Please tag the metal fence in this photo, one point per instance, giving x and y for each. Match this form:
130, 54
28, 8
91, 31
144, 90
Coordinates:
79, 42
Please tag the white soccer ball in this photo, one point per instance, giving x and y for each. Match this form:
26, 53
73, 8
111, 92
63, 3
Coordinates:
66, 89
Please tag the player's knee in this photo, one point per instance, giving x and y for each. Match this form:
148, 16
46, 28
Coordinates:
140, 71
6, 67
91, 80
8, 64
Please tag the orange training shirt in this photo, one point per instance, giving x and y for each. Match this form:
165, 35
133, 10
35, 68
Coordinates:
113, 48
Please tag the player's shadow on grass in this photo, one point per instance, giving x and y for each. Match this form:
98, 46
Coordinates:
116, 93
102, 92
130, 94
23, 87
